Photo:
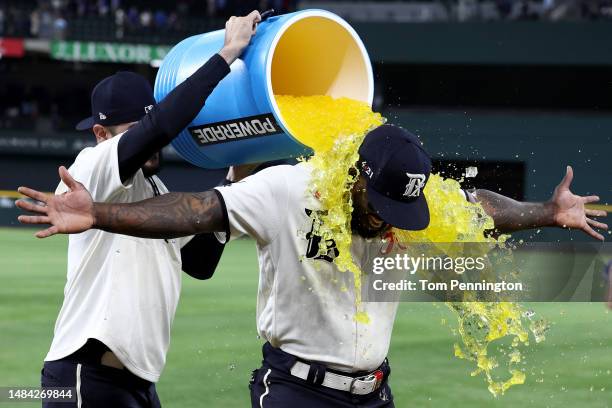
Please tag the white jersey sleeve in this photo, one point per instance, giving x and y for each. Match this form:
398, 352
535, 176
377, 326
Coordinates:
97, 168
257, 205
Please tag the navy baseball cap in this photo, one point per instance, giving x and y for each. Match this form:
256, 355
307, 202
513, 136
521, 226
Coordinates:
121, 98
396, 169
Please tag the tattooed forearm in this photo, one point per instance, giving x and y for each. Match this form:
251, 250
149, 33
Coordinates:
166, 216
511, 215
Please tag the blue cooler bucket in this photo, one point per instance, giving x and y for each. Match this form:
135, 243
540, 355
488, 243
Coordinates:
310, 52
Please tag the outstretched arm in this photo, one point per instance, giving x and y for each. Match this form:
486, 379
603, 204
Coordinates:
166, 216
510, 215
565, 209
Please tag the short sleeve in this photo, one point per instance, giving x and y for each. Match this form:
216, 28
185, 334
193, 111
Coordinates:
97, 168
257, 205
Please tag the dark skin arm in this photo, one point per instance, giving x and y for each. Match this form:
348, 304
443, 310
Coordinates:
166, 216
510, 215
564, 209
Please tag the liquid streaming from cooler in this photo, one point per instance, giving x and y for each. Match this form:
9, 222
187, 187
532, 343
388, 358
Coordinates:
334, 129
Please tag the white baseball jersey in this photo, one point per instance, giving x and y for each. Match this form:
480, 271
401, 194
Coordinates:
120, 290
305, 306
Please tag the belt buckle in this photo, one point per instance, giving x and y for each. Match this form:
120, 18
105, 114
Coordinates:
374, 379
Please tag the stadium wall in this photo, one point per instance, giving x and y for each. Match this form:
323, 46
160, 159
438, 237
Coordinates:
477, 43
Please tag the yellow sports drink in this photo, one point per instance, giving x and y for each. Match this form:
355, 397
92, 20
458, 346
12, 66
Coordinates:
334, 129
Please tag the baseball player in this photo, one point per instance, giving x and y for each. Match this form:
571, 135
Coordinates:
113, 330
316, 354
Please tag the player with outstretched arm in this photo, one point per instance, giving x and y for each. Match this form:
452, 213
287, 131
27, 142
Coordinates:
113, 330
316, 354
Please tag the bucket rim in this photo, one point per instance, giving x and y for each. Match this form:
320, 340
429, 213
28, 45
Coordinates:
300, 15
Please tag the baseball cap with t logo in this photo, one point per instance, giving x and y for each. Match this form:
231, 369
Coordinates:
121, 98
396, 169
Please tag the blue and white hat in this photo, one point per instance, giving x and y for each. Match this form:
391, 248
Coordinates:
121, 98
396, 168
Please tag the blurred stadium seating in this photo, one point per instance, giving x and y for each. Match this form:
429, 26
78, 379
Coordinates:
155, 21
96, 20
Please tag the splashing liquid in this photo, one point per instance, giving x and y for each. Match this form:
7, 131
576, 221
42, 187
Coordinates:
334, 129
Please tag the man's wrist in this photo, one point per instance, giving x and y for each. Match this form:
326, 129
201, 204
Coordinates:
95, 212
229, 54
549, 214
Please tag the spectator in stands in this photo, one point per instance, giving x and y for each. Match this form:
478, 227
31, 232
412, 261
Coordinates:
45, 22
172, 22
56, 5
81, 8
119, 23
146, 18
133, 18
115, 5
161, 20
60, 27
35, 23
146, 21
103, 8
52, 19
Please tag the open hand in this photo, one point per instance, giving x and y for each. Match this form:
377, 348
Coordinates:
69, 213
569, 209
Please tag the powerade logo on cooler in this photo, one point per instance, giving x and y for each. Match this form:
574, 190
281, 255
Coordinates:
243, 128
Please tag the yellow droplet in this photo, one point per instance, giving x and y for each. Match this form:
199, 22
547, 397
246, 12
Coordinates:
362, 317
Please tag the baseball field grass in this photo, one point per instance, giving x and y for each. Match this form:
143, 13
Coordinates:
215, 345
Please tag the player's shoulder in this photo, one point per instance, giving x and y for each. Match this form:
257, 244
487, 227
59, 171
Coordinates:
295, 175
275, 173
84, 162
278, 180
95, 165
100, 150
298, 170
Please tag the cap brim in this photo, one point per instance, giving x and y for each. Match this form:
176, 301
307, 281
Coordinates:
412, 216
85, 124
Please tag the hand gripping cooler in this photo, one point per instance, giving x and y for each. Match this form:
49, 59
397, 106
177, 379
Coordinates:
310, 52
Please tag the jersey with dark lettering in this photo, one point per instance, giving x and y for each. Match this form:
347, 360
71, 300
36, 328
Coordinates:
305, 305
